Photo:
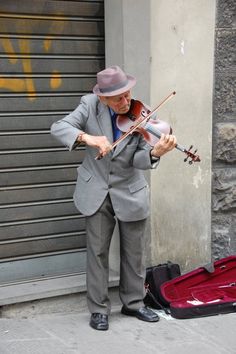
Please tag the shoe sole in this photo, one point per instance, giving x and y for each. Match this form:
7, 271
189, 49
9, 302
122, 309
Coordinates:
152, 320
100, 328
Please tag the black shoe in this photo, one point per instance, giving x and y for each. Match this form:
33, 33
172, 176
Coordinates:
99, 321
144, 314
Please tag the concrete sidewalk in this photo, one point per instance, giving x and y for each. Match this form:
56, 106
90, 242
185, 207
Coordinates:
69, 333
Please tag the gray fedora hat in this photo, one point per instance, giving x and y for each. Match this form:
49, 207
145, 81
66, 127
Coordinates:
113, 81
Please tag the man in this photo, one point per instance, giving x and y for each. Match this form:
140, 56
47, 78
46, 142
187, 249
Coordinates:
112, 188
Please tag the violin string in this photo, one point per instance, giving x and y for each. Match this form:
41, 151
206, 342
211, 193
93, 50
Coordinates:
156, 132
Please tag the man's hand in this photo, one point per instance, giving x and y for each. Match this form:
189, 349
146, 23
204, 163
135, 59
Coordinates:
165, 144
100, 142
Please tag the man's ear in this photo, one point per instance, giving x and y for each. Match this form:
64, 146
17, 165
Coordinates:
103, 99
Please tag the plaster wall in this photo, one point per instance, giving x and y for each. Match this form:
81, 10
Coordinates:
182, 59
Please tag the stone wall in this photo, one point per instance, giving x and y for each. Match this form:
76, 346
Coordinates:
224, 133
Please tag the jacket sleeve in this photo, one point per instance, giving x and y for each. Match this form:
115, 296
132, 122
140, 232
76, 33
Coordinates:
67, 129
142, 157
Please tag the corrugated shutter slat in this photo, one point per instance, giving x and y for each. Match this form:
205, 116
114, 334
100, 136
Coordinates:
50, 52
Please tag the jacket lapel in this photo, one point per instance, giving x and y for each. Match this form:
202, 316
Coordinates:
104, 121
121, 146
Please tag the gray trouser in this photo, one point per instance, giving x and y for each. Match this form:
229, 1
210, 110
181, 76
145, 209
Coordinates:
100, 227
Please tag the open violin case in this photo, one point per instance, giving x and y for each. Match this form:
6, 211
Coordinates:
205, 291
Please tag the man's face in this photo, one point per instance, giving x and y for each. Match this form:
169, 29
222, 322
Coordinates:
120, 104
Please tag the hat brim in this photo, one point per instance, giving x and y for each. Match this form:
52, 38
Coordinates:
127, 87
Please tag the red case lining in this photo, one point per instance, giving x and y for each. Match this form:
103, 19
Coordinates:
201, 288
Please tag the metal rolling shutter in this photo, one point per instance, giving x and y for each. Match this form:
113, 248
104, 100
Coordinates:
50, 52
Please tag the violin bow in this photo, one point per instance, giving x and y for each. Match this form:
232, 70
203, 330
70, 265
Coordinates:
191, 156
137, 125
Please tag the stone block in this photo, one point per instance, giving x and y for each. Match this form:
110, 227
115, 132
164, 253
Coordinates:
224, 104
225, 52
225, 142
223, 234
220, 244
226, 10
224, 189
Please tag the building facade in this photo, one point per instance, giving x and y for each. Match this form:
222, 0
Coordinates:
50, 53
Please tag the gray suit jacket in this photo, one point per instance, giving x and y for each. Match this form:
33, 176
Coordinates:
119, 173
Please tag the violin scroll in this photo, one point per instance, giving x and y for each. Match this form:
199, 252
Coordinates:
192, 155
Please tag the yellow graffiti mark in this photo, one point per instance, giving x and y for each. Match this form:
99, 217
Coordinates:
47, 43
56, 27
27, 68
14, 85
55, 81
27, 84
8, 47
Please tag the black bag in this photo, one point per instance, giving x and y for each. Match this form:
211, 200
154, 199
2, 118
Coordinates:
155, 277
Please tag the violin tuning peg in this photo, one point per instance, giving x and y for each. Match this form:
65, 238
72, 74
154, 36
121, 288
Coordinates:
190, 162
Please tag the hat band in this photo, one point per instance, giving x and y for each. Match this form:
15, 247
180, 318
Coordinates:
114, 88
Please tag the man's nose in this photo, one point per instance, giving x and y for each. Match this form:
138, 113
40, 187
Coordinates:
125, 100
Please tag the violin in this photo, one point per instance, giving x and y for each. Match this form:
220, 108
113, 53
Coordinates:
138, 120
126, 121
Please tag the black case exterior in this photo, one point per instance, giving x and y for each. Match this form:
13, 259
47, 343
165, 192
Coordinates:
201, 311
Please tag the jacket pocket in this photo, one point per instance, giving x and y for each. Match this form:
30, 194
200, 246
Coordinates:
136, 186
84, 174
